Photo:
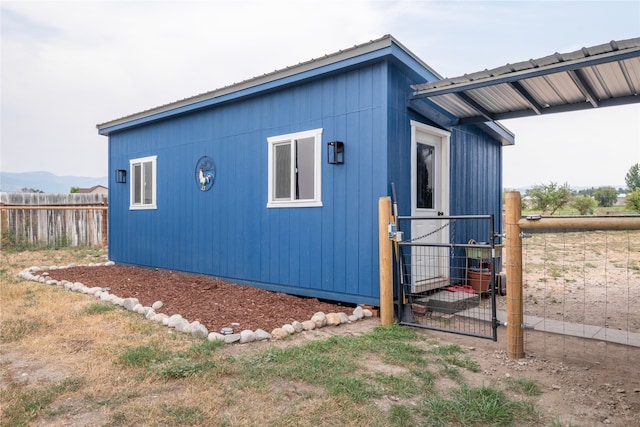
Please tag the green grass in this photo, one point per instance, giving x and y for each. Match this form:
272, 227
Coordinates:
526, 386
26, 405
15, 330
475, 407
99, 308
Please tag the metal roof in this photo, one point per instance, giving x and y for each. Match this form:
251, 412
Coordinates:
327, 63
598, 76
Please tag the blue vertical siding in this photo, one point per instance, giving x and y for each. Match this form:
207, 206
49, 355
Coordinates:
228, 231
328, 252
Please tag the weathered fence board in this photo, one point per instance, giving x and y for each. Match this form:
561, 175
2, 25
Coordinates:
53, 220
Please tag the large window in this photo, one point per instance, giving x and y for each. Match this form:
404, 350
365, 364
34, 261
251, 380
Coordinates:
143, 183
294, 169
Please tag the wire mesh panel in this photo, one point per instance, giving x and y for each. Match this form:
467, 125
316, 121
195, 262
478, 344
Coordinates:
581, 291
450, 286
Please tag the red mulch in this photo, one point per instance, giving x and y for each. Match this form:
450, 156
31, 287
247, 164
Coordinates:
213, 302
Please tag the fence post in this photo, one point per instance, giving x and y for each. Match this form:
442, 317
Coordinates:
386, 262
513, 240
105, 221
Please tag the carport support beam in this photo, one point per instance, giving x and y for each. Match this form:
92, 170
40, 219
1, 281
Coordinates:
513, 244
386, 262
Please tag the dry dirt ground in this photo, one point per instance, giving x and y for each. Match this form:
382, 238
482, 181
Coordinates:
574, 393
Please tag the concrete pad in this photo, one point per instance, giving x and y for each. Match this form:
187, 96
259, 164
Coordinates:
618, 336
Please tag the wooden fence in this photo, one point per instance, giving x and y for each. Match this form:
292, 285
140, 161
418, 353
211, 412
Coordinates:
36, 220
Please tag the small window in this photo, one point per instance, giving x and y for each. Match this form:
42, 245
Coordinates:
143, 183
294, 170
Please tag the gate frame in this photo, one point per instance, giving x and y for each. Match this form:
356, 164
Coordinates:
395, 235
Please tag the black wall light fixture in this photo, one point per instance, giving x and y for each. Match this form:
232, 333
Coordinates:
121, 176
335, 152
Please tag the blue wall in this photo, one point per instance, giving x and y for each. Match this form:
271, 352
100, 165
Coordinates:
228, 231
327, 252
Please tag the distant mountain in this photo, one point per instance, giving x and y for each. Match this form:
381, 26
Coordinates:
46, 182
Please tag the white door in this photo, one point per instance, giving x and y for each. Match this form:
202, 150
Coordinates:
429, 197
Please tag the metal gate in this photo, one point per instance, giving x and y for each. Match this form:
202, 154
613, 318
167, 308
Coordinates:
446, 285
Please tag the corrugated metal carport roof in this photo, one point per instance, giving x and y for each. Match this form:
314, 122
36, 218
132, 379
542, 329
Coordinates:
599, 76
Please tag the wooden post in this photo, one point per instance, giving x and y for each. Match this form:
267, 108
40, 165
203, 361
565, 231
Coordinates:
513, 244
386, 262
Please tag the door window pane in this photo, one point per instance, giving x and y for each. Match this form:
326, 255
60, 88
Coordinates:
425, 176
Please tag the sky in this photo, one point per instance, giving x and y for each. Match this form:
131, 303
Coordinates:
67, 66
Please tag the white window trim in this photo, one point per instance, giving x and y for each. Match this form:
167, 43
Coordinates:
317, 200
153, 204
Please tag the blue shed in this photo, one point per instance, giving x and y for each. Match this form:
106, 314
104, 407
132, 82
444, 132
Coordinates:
275, 181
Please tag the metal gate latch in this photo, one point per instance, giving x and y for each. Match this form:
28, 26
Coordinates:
393, 233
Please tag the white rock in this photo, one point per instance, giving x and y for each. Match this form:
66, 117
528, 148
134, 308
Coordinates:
333, 319
109, 263
173, 320
182, 325
159, 317
289, 328
149, 314
199, 331
157, 305
358, 312
309, 325
367, 313
352, 318
279, 333
261, 335
344, 318
231, 338
139, 308
297, 326
51, 282
247, 336
320, 319
129, 303
214, 336
105, 296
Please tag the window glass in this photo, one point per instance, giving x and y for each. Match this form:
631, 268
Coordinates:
305, 173
137, 177
425, 176
148, 183
143, 183
294, 169
283, 171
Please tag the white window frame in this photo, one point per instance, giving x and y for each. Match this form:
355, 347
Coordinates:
141, 161
274, 141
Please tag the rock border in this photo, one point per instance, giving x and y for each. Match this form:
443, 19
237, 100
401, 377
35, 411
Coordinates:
180, 324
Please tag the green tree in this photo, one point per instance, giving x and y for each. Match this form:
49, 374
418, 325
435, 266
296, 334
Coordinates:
633, 177
633, 200
549, 198
605, 196
75, 189
584, 204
